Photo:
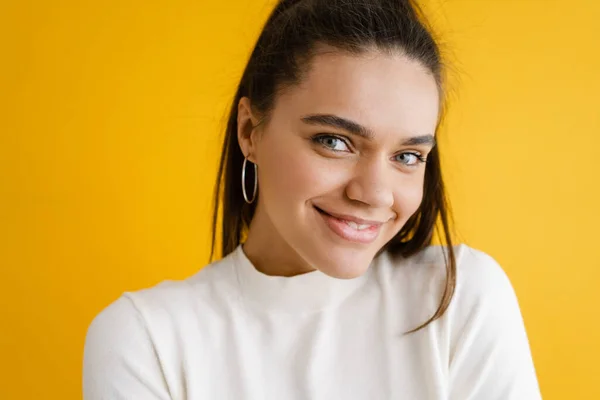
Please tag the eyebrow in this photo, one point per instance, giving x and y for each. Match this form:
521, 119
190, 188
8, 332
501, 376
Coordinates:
359, 130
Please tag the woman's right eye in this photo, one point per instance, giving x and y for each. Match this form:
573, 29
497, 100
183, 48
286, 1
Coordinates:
331, 142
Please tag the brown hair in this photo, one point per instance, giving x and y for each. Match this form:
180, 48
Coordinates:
279, 60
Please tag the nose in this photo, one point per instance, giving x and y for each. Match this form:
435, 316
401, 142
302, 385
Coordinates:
372, 183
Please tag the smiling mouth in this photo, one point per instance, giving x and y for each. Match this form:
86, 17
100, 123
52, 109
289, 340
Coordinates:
352, 229
356, 225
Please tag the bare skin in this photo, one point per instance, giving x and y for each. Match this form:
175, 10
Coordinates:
340, 162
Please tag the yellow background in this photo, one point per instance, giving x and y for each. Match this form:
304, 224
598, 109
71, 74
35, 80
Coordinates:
110, 129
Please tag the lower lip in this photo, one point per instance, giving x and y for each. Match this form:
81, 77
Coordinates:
345, 231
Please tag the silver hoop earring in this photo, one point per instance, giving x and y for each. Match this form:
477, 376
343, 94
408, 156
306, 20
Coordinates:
244, 182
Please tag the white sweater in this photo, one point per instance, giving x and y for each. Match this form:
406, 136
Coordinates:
231, 332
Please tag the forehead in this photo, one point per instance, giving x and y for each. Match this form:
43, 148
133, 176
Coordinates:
387, 93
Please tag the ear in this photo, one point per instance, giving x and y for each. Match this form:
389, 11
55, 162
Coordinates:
247, 135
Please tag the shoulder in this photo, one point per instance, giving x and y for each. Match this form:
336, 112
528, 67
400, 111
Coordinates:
206, 288
484, 298
159, 310
480, 280
478, 274
472, 266
143, 337
488, 349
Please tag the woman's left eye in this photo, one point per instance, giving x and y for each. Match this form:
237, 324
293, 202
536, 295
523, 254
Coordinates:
410, 159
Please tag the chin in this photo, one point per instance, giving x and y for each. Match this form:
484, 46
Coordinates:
345, 273
344, 263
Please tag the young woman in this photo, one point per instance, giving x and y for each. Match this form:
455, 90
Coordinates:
329, 288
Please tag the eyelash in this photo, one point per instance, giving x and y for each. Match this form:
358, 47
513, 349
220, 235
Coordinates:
319, 139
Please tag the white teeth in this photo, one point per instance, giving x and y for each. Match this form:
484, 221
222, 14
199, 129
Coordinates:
356, 226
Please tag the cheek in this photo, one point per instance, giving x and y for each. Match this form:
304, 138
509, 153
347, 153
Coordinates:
408, 198
290, 174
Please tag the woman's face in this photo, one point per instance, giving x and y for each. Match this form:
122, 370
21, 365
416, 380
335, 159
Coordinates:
340, 160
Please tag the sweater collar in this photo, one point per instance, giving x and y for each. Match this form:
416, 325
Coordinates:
308, 292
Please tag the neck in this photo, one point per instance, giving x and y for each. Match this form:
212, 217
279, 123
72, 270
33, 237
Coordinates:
269, 252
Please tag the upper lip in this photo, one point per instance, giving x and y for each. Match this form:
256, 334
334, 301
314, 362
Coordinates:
351, 218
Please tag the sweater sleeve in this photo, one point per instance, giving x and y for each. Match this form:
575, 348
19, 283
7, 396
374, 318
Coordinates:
120, 361
490, 358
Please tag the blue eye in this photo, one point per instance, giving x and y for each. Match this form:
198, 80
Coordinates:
410, 159
332, 142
